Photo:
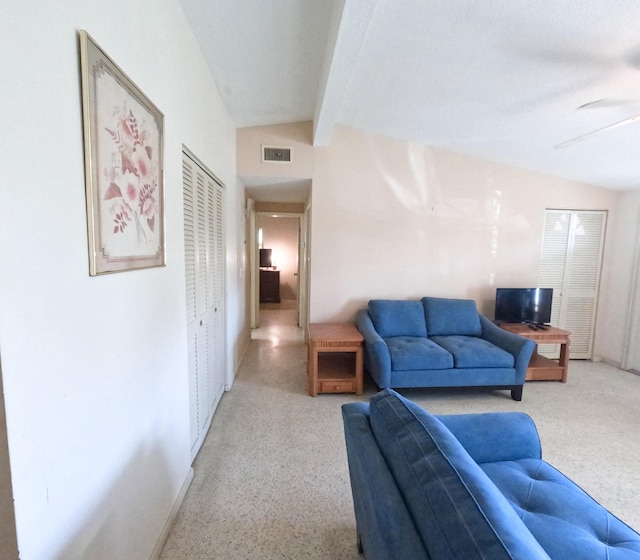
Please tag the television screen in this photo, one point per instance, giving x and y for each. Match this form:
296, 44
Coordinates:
265, 258
523, 305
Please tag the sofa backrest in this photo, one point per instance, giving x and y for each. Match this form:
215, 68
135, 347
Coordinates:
458, 511
397, 317
451, 317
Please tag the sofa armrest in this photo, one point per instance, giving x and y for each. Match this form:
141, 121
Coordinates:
520, 347
385, 526
495, 436
377, 360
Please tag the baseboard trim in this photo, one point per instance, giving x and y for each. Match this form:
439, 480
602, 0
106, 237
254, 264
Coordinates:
618, 365
611, 363
164, 535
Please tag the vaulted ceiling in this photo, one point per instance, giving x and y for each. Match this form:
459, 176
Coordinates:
509, 81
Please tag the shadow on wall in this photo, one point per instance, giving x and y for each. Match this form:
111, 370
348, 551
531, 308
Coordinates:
132, 515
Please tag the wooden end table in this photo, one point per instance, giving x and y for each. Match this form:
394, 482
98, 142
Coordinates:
542, 368
335, 358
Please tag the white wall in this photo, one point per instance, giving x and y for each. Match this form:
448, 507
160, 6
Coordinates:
616, 283
392, 219
95, 369
298, 136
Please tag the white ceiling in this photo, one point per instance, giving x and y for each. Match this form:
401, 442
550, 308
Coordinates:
497, 79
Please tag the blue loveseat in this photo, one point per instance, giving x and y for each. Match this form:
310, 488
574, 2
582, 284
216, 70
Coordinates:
439, 342
470, 486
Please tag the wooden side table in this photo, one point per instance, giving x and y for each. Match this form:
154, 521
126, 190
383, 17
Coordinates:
542, 368
335, 358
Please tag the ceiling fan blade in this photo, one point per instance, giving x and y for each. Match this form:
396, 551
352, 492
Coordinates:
607, 102
598, 131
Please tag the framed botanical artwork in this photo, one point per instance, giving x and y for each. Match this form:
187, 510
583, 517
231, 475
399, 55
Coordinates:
124, 175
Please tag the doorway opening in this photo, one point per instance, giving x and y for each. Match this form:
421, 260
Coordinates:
279, 285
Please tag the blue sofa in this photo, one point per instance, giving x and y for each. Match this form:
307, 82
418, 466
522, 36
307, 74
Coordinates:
439, 342
470, 486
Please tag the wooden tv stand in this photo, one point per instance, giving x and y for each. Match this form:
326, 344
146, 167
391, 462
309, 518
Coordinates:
541, 368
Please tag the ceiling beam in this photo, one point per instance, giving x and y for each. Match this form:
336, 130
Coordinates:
349, 27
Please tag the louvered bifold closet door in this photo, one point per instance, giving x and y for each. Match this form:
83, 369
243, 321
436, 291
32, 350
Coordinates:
219, 272
555, 243
191, 259
206, 354
203, 305
570, 263
215, 292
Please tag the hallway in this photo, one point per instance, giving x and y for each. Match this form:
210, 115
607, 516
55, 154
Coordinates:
271, 479
279, 323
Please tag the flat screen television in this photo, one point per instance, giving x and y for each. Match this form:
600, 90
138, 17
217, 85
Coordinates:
523, 305
265, 258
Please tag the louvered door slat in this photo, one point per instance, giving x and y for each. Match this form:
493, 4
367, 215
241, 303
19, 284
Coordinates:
211, 241
201, 244
554, 250
587, 245
578, 323
192, 351
189, 240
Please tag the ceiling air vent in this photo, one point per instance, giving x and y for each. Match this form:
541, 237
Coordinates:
277, 154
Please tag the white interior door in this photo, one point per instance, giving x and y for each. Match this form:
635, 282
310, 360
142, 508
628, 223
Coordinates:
570, 263
218, 273
203, 199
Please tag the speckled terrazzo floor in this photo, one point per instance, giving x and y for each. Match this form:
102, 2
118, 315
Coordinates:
271, 479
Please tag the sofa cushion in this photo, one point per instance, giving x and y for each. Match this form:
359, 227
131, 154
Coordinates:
411, 353
565, 520
451, 316
397, 317
458, 511
474, 352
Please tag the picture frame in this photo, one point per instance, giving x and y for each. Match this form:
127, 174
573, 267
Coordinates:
124, 167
